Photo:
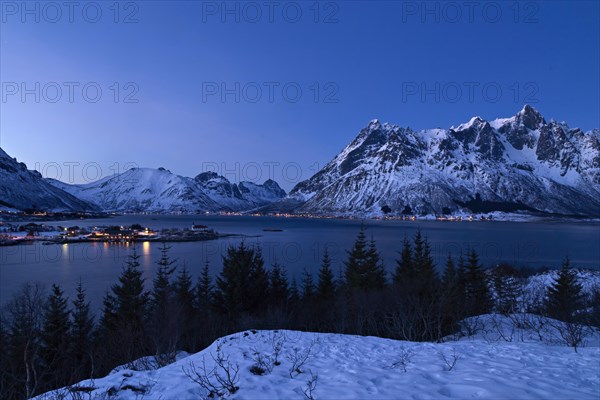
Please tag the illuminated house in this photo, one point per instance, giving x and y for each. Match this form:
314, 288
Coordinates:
199, 228
117, 233
71, 231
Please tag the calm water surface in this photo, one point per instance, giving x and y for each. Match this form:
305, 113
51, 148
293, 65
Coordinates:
300, 245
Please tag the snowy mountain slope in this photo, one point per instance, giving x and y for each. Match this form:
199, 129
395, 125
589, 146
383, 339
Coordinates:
142, 189
22, 189
518, 163
159, 190
354, 367
240, 196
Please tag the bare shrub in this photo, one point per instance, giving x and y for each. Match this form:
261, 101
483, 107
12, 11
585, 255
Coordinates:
299, 357
405, 356
59, 394
537, 324
500, 329
81, 392
571, 334
311, 385
471, 326
277, 342
263, 364
219, 381
451, 359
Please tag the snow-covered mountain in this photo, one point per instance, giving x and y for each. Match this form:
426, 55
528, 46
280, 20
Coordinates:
518, 163
159, 190
22, 189
241, 196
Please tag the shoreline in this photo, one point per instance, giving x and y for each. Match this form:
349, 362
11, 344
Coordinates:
159, 239
475, 217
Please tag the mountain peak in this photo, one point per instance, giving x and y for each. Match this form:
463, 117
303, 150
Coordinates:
274, 187
207, 176
374, 124
530, 117
475, 121
528, 109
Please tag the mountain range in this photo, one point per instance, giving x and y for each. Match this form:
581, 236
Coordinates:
159, 190
135, 190
522, 163
519, 163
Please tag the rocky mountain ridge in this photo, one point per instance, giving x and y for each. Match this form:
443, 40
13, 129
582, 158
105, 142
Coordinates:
510, 164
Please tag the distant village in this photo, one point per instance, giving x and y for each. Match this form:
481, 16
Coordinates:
450, 218
12, 234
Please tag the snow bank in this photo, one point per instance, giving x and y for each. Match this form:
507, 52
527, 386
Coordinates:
354, 367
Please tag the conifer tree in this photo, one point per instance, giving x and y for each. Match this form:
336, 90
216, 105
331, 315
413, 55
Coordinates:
163, 289
453, 295
450, 274
232, 283
81, 334
506, 287
259, 282
204, 290
357, 258
308, 287
424, 267
278, 285
205, 320
404, 266
183, 306
374, 274
108, 316
326, 284
161, 302
294, 299
565, 296
243, 282
419, 255
131, 299
477, 295
184, 290
125, 312
364, 268
55, 337
461, 272
427, 268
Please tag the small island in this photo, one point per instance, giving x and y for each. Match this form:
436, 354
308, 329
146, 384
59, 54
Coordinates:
11, 234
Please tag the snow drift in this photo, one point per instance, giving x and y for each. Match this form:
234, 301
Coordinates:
353, 367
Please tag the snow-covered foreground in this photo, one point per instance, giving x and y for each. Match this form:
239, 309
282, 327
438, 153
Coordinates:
353, 367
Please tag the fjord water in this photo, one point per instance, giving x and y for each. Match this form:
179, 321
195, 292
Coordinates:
298, 245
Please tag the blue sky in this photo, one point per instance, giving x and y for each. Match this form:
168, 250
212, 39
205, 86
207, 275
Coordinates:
192, 86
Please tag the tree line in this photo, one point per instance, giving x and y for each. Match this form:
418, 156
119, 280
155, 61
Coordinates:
49, 341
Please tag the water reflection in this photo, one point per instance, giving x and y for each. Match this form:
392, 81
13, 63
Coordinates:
65, 251
146, 248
